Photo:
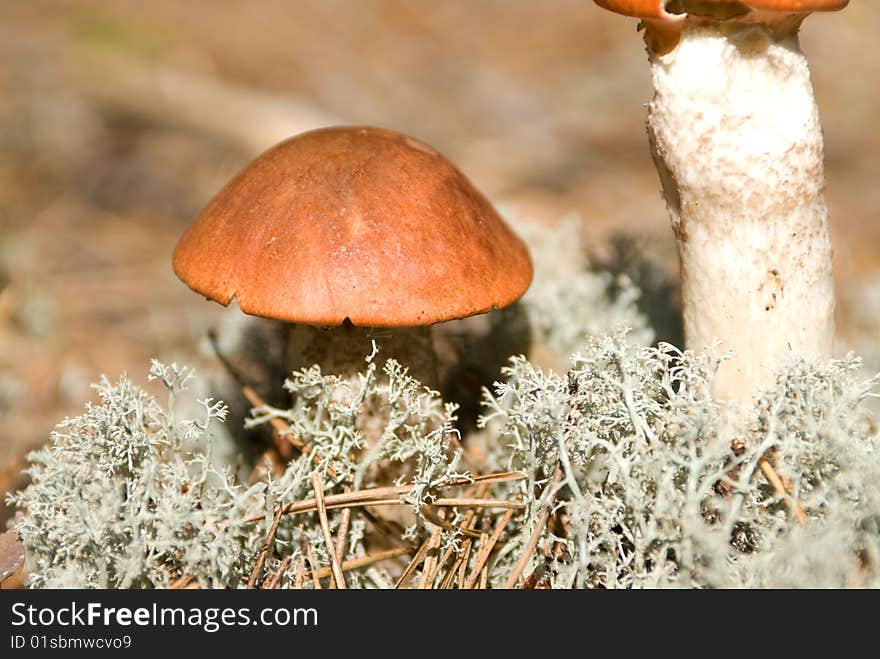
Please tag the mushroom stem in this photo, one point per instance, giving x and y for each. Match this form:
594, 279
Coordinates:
736, 138
342, 350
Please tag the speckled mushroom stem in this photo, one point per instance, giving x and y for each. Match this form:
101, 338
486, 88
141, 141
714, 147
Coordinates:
736, 138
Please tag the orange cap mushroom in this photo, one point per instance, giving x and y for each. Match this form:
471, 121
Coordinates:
735, 135
664, 18
671, 8
355, 223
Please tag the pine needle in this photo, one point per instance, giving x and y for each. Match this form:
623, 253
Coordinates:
307, 550
364, 561
318, 485
486, 549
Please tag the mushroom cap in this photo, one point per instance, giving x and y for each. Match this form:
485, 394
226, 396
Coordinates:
356, 223
677, 10
665, 18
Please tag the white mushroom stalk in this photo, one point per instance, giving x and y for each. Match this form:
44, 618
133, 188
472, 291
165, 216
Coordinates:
736, 138
735, 135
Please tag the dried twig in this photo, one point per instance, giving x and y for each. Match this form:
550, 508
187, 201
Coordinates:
363, 561
307, 550
504, 504
774, 479
546, 506
273, 582
318, 485
486, 549
484, 577
181, 583
264, 551
300, 572
390, 496
413, 564
465, 528
462, 566
425, 580
434, 517
342, 531
458, 569
777, 482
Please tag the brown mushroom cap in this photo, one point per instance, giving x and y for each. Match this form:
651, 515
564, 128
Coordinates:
677, 9
354, 223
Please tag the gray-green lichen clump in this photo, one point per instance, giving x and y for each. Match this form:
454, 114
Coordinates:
656, 496
628, 445
125, 495
624, 445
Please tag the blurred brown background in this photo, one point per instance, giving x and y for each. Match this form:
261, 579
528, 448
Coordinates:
119, 119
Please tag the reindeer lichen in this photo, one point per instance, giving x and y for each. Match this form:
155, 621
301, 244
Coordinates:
649, 482
655, 493
125, 495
